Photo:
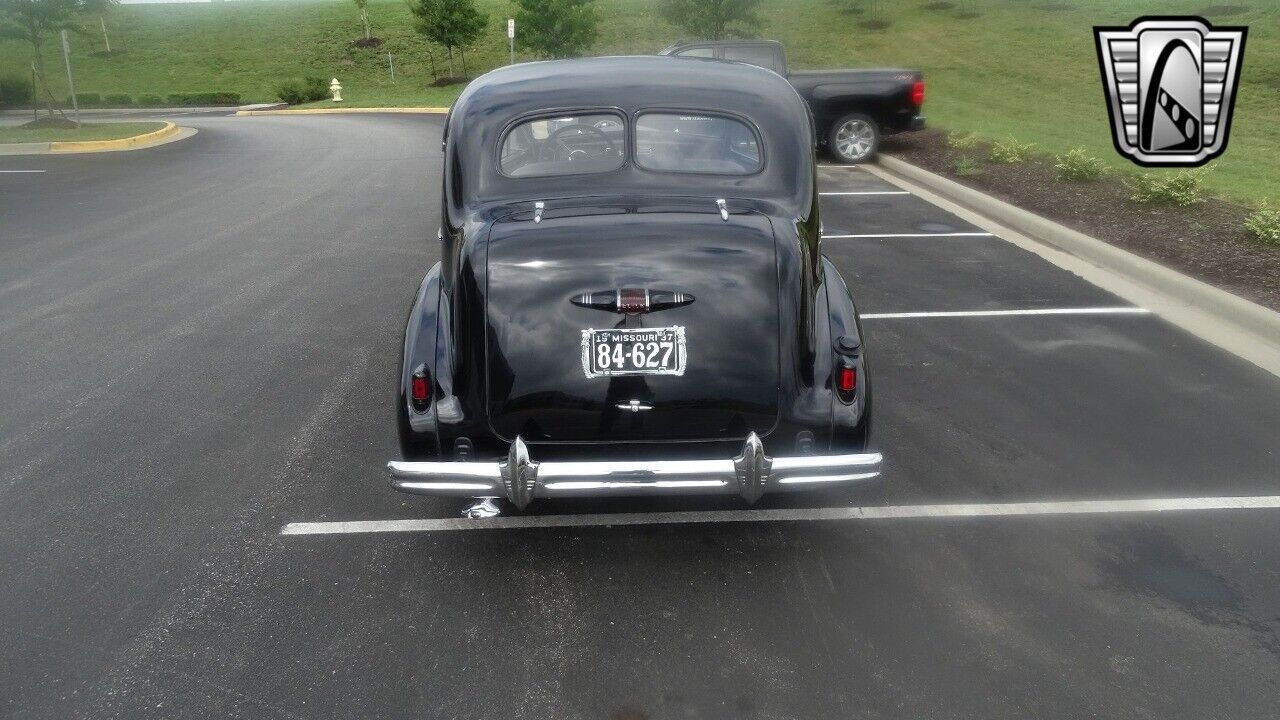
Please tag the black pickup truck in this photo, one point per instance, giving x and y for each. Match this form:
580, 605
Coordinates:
851, 108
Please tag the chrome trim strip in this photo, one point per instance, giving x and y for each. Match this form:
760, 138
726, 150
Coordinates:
617, 485
811, 479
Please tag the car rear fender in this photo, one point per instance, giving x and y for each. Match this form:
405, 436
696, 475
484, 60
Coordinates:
422, 350
850, 421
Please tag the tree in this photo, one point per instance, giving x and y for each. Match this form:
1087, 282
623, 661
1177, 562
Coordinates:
363, 7
557, 28
34, 20
451, 23
713, 19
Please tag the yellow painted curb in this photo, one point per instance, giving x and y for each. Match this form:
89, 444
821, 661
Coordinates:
336, 111
72, 146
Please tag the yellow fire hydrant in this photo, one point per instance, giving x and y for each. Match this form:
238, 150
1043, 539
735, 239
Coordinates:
336, 88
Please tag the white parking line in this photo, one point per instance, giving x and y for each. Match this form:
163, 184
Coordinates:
909, 235
867, 192
987, 313
889, 512
21, 171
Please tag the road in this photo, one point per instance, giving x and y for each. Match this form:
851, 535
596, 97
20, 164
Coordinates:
200, 345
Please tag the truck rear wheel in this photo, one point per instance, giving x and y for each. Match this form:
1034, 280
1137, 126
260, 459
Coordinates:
854, 138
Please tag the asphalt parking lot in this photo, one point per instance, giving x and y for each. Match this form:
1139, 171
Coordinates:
199, 348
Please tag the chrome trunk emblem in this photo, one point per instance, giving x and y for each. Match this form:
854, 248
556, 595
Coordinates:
634, 406
632, 301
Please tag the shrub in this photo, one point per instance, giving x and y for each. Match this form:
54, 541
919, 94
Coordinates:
1181, 188
150, 100
117, 100
15, 91
1264, 225
1010, 151
191, 99
568, 28
1077, 165
303, 90
966, 166
962, 141
86, 99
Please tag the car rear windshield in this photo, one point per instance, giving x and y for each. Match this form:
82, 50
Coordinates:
682, 142
564, 145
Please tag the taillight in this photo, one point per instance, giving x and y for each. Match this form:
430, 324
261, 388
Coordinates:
846, 382
420, 390
917, 93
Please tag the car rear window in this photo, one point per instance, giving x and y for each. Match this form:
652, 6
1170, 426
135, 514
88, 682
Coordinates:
564, 145
685, 142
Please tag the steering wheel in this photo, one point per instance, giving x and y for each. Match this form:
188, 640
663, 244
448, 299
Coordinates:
572, 153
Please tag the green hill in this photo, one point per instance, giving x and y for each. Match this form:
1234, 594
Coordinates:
1022, 67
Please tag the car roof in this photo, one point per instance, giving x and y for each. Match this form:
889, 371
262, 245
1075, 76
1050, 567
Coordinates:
630, 84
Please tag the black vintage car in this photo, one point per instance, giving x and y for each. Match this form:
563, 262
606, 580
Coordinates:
632, 296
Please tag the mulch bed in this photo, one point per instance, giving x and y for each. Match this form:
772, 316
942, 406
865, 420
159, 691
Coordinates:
1206, 241
55, 123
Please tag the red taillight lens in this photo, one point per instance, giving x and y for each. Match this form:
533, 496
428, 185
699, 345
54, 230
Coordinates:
420, 391
917, 93
847, 379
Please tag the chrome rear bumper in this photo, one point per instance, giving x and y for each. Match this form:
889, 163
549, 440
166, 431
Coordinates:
520, 479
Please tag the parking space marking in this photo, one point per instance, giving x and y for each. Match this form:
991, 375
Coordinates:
909, 235
885, 512
867, 192
1126, 310
21, 171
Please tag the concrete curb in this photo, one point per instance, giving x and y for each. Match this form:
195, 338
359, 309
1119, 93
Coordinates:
343, 111
118, 144
24, 148
258, 107
1244, 328
166, 134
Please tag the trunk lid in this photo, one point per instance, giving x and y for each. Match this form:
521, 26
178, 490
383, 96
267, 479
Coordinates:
536, 382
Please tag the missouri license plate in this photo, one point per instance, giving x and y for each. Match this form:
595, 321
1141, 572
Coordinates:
651, 351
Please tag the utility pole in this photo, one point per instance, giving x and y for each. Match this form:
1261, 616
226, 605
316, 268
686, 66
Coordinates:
511, 38
35, 107
66, 58
105, 39
392, 64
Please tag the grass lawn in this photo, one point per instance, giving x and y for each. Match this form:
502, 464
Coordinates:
89, 131
1025, 68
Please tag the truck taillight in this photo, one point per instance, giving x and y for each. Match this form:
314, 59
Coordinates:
917, 93
420, 390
